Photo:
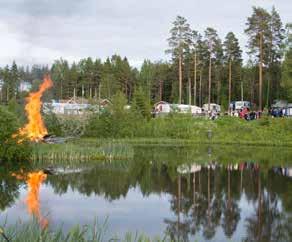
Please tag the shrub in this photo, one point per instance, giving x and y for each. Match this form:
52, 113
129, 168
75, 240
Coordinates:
53, 124
10, 149
117, 122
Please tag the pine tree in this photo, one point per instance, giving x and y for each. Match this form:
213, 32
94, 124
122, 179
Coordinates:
108, 86
259, 31
59, 72
203, 63
275, 54
215, 54
14, 81
287, 75
179, 44
286, 82
232, 57
146, 77
288, 37
196, 37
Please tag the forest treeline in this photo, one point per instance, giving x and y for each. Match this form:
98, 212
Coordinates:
203, 68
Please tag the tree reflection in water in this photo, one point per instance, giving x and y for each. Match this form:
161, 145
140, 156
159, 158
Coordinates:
9, 189
217, 203
205, 198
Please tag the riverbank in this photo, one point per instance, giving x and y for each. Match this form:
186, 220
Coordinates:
188, 130
172, 132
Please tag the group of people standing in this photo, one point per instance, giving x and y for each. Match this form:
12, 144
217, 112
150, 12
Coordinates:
245, 113
277, 112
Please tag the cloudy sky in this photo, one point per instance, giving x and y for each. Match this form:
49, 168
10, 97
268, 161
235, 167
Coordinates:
40, 31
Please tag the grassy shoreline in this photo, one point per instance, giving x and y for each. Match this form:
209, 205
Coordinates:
32, 232
186, 142
172, 132
188, 130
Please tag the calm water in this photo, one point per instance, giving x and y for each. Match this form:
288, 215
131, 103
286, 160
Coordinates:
188, 193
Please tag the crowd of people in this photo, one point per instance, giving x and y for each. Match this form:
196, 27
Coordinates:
245, 113
277, 112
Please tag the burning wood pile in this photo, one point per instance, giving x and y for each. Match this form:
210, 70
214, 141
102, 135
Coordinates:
35, 130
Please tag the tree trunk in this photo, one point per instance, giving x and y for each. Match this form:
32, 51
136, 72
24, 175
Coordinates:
190, 90
261, 73
195, 80
160, 90
126, 90
180, 78
209, 88
252, 93
229, 86
218, 90
200, 98
61, 91
268, 92
7, 94
241, 90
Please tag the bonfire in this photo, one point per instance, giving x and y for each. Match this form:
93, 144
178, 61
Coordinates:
35, 129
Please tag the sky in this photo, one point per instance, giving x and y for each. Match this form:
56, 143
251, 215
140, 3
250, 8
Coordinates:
41, 31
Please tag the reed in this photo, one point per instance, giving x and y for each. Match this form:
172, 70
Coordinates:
79, 152
97, 232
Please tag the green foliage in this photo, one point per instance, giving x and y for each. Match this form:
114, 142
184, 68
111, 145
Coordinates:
53, 124
118, 121
17, 109
264, 121
140, 104
225, 130
181, 37
287, 75
10, 150
63, 125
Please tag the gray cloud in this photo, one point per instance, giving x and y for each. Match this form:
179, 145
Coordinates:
39, 31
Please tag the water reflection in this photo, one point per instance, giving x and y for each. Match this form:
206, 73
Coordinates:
212, 200
217, 195
33, 180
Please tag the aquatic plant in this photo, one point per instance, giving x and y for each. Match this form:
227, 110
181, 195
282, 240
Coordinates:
97, 232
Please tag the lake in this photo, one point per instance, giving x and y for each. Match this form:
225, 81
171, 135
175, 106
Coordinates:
188, 193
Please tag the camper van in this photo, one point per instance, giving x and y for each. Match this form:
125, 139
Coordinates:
238, 105
213, 107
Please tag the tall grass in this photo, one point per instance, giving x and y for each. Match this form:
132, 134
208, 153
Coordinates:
32, 232
80, 152
186, 129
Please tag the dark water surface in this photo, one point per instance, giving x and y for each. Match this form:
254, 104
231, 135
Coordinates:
188, 193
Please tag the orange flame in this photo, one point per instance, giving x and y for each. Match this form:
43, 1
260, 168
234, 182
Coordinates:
35, 129
34, 181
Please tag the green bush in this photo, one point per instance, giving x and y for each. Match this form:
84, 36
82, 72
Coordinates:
117, 122
125, 124
53, 124
10, 149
